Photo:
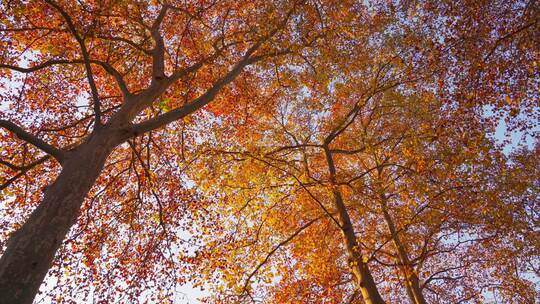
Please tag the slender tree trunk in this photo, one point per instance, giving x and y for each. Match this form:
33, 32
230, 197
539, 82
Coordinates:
360, 270
412, 283
31, 249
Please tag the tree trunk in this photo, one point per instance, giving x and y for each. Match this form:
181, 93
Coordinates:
360, 270
31, 249
412, 283
364, 279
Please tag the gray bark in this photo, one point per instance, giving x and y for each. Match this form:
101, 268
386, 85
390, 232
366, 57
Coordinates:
31, 249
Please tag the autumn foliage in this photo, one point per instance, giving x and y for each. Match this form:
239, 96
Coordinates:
312, 151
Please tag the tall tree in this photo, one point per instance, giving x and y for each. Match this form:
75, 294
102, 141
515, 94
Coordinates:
417, 183
428, 159
145, 66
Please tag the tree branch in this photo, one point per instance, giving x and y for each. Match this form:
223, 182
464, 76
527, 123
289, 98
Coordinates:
23, 170
281, 244
158, 52
194, 105
105, 65
136, 46
86, 58
115, 74
37, 67
321, 205
38, 143
211, 93
201, 101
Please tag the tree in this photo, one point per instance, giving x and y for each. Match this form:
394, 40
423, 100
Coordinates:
166, 61
402, 178
421, 174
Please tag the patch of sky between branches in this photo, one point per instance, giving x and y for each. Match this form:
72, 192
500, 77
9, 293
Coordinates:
510, 140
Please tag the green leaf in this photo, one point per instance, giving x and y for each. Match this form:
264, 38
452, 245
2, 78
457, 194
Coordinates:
164, 105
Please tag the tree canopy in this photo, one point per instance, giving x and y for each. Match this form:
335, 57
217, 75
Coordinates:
310, 151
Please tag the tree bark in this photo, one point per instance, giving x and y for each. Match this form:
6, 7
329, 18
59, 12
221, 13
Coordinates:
363, 279
31, 249
412, 283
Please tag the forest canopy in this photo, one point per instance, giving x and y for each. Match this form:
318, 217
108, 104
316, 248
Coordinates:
270, 151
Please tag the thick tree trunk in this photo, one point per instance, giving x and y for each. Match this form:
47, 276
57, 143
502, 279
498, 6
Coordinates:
363, 279
412, 283
31, 249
